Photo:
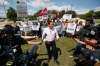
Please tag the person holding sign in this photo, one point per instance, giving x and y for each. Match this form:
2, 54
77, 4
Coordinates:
71, 27
64, 27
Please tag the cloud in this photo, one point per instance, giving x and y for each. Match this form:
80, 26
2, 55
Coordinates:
2, 13
4, 2
97, 9
53, 6
43, 0
47, 0
35, 5
82, 11
31, 11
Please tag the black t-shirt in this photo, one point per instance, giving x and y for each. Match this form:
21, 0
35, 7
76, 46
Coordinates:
10, 41
84, 32
16, 29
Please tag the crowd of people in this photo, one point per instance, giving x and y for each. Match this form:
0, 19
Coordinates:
85, 33
29, 26
10, 48
9, 40
88, 48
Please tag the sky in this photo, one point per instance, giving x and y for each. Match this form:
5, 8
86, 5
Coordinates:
80, 6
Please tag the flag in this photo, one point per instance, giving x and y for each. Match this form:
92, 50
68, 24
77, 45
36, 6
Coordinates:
43, 12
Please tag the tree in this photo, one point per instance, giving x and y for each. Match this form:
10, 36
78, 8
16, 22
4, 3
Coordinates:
61, 13
72, 12
89, 14
54, 12
82, 16
97, 14
11, 14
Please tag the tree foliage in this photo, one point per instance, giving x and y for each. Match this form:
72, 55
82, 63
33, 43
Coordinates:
11, 14
97, 14
72, 12
61, 13
89, 14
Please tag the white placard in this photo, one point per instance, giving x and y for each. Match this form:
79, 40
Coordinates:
67, 16
36, 27
71, 28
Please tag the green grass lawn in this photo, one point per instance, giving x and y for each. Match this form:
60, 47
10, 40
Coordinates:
98, 21
65, 59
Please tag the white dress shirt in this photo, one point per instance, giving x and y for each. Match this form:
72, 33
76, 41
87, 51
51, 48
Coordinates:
50, 34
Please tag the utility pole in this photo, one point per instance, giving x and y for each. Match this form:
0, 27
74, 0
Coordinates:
71, 7
4, 7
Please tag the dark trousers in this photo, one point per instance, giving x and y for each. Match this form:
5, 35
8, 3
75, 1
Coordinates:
51, 49
35, 33
63, 33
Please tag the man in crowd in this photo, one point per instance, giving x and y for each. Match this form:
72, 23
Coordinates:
50, 35
9, 40
64, 27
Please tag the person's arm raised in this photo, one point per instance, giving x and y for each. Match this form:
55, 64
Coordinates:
78, 41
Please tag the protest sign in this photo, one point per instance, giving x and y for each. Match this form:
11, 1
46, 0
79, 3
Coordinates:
71, 28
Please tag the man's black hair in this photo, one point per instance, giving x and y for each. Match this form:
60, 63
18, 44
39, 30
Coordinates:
8, 29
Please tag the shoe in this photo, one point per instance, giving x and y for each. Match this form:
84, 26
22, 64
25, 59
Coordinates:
49, 60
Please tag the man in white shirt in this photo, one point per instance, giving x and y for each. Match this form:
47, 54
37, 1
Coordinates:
49, 35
